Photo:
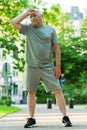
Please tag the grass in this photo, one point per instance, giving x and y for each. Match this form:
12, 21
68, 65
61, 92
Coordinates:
86, 106
5, 110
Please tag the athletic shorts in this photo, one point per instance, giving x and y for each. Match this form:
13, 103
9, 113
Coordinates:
33, 75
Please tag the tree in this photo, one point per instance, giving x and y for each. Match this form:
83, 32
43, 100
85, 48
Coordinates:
9, 38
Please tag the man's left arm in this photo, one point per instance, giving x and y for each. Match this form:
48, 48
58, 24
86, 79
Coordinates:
58, 60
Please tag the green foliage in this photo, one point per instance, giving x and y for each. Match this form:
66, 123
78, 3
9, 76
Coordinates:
6, 101
9, 37
3, 100
4, 97
42, 95
76, 91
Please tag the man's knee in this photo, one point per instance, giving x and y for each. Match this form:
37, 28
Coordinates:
58, 92
31, 93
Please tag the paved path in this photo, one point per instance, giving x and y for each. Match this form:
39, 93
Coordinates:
47, 119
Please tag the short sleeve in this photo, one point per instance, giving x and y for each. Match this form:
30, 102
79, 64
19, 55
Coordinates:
55, 39
24, 29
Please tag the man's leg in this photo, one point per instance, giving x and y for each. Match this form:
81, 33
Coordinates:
31, 107
31, 102
60, 101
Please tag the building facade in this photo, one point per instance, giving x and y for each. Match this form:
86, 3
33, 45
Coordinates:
13, 78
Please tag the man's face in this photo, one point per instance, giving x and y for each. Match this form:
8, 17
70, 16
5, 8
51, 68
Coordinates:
35, 18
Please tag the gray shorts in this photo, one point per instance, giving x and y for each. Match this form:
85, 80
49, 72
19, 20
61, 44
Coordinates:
33, 76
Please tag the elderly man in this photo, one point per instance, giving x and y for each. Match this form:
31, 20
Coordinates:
40, 40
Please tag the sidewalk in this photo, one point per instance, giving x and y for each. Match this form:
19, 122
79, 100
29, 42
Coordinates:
47, 119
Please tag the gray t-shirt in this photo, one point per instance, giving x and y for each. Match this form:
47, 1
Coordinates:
39, 42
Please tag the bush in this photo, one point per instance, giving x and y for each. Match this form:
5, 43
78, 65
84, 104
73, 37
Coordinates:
8, 102
76, 91
4, 97
42, 95
5, 101
2, 102
43, 98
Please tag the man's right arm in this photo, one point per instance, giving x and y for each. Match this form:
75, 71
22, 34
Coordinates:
16, 22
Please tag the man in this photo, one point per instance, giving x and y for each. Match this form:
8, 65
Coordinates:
40, 39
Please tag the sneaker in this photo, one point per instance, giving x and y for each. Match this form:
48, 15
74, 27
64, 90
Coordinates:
66, 121
30, 123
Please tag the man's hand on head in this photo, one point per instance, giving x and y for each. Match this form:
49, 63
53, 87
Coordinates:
30, 11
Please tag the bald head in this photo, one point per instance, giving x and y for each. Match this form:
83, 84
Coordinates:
38, 12
36, 17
